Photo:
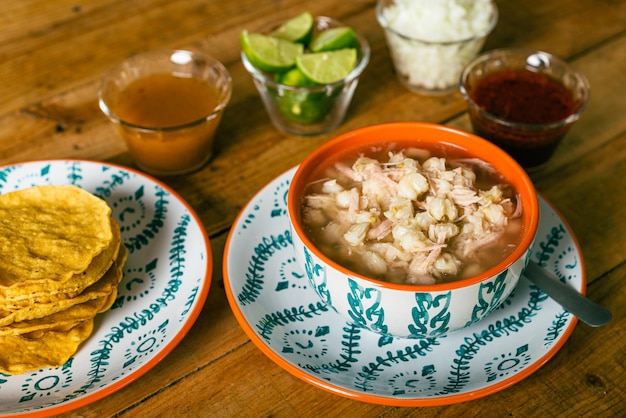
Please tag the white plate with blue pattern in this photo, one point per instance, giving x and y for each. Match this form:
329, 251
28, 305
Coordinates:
280, 312
165, 284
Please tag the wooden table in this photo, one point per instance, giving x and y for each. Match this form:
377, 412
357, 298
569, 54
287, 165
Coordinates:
54, 53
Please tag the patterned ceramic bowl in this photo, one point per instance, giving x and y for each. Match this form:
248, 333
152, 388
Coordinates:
407, 310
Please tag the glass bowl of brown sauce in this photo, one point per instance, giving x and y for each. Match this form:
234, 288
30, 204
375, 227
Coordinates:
167, 106
523, 101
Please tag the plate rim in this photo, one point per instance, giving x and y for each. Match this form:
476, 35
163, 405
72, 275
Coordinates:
194, 313
377, 399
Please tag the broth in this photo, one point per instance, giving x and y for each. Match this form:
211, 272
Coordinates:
408, 217
169, 122
165, 100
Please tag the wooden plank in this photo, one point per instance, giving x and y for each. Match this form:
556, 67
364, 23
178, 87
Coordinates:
246, 383
50, 71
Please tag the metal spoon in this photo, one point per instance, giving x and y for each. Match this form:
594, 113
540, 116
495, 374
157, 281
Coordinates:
585, 309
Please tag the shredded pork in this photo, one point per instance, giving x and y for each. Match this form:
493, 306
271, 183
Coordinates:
406, 221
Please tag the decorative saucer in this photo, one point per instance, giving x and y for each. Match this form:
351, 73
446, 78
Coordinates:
166, 281
282, 315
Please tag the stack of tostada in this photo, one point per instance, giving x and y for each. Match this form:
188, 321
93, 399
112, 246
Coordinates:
61, 260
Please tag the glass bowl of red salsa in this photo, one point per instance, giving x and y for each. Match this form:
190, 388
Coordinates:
523, 101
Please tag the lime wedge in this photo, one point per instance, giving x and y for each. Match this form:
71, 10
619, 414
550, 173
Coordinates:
298, 29
333, 39
270, 54
304, 107
327, 67
293, 78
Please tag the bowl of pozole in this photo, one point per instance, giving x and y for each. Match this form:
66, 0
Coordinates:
412, 230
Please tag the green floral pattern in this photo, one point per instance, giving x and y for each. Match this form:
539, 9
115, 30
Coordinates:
164, 285
285, 315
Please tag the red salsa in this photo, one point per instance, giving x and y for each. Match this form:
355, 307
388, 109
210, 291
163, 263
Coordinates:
524, 97
527, 98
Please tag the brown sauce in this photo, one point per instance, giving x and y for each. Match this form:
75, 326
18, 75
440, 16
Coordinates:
164, 100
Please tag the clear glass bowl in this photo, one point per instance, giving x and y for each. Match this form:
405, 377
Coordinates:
168, 150
425, 66
309, 110
531, 144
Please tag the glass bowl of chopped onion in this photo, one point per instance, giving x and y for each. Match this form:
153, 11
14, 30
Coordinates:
431, 42
412, 230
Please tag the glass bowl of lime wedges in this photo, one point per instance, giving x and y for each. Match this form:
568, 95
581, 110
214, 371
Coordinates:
306, 70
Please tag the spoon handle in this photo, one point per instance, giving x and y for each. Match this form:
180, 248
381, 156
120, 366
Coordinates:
585, 309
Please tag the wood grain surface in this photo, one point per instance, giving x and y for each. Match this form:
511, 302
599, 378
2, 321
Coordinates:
53, 55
